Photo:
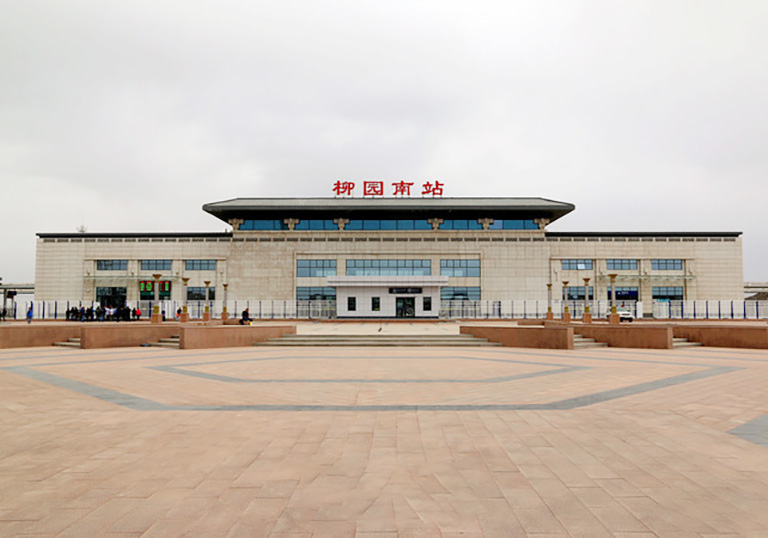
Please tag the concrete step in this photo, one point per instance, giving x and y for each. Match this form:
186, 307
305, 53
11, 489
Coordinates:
684, 342
378, 340
71, 342
173, 342
581, 342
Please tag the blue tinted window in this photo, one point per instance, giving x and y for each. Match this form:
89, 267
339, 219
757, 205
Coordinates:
155, 265
389, 267
667, 265
621, 265
576, 293
261, 224
576, 265
625, 293
111, 265
668, 293
461, 224
200, 265
459, 293
460, 268
315, 293
309, 268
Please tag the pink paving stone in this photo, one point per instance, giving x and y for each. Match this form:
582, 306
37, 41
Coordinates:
660, 462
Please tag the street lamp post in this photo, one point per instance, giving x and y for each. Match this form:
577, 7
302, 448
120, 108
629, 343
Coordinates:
156, 316
566, 312
207, 312
587, 318
550, 314
613, 317
184, 309
224, 313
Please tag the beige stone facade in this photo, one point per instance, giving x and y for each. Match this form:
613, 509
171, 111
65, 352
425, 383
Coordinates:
509, 264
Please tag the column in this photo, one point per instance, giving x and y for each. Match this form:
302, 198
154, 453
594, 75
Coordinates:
207, 312
566, 312
550, 314
184, 311
587, 317
224, 313
613, 317
156, 315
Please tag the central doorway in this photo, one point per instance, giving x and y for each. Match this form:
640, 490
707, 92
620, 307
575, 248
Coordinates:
405, 307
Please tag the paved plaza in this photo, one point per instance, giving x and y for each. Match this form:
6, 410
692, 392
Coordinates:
377, 442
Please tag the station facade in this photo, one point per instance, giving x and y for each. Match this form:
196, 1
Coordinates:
388, 257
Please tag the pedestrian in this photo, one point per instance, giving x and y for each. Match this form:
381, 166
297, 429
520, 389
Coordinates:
245, 318
29, 314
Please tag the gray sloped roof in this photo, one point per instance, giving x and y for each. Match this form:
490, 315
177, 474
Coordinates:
388, 207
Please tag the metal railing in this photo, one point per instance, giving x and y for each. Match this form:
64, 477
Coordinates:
483, 309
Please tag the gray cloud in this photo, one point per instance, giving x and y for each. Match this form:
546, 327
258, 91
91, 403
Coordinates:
131, 115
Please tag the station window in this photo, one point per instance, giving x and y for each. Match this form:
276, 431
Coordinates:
315, 293
576, 293
197, 293
624, 293
389, 267
200, 265
392, 224
308, 268
506, 224
427, 305
351, 304
111, 265
155, 265
376, 304
667, 265
577, 265
263, 224
621, 265
458, 293
147, 290
461, 224
460, 268
316, 224
667, 293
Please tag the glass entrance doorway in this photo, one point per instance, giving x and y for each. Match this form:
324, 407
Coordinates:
405, 307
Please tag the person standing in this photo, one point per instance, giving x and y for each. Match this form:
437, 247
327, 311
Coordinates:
30, 313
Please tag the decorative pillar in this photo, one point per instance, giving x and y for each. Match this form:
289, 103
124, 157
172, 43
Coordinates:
207, 312
156, 316
587, 317
235, 223
291, 223
550, 314
435, 223
566, 312
184, 311
613, 317
486, 223
541, 223
224, 313
341, 223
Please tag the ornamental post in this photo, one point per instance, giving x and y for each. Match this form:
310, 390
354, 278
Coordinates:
224, 313
184, 310
156, 316
550, 314
587, 317
207, 312
566, 312
613, 317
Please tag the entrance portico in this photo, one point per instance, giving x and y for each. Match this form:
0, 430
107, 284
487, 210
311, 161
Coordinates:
387, 296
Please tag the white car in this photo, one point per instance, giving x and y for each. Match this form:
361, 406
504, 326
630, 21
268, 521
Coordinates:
625, 315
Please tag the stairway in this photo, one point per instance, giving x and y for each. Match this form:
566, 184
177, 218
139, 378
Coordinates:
582, 342
71, 342
416, 340
683, 342
174, 342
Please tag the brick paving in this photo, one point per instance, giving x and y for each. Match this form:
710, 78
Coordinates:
378, 442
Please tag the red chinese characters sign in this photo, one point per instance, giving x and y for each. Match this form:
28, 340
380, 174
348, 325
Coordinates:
376, 188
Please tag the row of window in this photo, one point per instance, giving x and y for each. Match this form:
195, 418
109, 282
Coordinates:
629, 293
115, 295
460, 267
376, 304
306, 268
155, 265
387, 224
389, 267
447, 293
622, 265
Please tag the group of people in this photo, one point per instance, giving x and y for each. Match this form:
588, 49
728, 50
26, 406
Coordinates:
104, 313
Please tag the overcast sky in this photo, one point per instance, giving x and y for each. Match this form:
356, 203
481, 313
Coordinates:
129, 116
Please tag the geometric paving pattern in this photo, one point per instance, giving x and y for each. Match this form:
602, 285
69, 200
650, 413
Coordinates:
383, 442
